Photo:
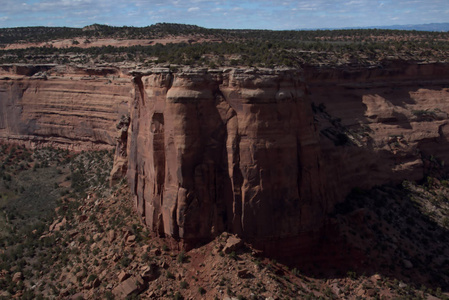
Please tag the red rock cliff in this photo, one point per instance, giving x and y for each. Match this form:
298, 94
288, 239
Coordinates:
62, 106
254, 152
235, 150
392, 122
264, 155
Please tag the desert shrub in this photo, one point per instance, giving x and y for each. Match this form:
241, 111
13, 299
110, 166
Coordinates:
182, 258
170, 275
183, 284
201, 290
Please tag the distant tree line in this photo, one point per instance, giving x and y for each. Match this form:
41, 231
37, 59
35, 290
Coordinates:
264, 48
45, 34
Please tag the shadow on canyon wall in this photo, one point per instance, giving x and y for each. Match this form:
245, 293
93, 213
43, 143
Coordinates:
380, 228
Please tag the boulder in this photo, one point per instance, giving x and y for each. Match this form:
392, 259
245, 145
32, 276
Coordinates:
233, 243
131, 239
150, 273
78, 296
132, 285
111, 235
244, 273
155, 252
122, 276
18, 276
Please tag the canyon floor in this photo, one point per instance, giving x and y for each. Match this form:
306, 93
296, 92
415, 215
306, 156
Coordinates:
81, 239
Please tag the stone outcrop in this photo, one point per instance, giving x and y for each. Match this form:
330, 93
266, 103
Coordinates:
233, 150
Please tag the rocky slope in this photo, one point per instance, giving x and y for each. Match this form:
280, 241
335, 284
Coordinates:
89, 244
262, 153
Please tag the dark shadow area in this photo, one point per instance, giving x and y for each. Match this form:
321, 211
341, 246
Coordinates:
389, 230
400, 231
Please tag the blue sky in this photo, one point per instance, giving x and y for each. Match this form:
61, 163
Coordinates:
262, 14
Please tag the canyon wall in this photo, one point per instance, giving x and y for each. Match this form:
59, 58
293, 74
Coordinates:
262, 153
267, 154
66, 107
381, 125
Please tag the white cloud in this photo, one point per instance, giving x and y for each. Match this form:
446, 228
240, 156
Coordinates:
354, 2
192, 9
308, 6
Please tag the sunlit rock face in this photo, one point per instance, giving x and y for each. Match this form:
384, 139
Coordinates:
62, 106
233, 150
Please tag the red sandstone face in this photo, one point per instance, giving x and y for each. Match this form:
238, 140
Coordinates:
62, 107
238, 150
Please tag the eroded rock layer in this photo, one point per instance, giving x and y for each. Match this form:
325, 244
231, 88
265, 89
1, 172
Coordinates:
262, 154
61, 106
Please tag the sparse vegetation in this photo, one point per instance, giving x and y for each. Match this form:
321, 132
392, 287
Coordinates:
38, 212
201, 290
182, 258
261, 48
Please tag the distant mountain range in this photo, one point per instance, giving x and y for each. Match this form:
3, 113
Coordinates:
420, 27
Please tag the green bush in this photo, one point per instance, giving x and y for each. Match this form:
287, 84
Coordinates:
182, 258
170, 275
201, 290
183, 284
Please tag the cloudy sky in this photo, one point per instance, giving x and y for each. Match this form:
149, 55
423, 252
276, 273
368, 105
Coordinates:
251, 14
